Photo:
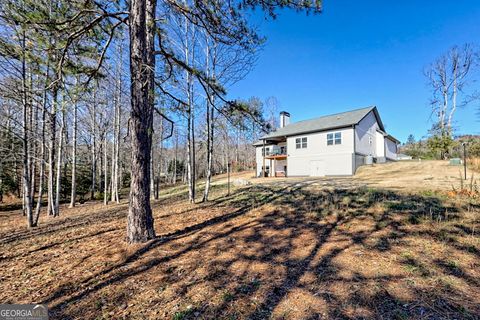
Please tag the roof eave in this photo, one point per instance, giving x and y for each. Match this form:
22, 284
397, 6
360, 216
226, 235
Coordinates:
347, 126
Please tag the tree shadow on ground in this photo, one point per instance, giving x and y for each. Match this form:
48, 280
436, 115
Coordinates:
291, 251
64, 223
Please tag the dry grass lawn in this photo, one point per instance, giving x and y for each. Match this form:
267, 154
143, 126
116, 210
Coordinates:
278, 248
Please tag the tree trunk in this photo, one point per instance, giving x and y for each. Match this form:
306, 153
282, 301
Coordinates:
73, 197
117, 147
142, 65
152, 170
51, 154
59, 165
190, 175
28, 205
190, 121
42, 168
42, 150
159, 166
210, 128
175, 158
116, 133
1, 184
210, 125
105, 169
112, 169
94, 146
114, 150
33, 147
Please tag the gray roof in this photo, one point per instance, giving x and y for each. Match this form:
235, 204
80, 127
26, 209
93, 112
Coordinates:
338, 120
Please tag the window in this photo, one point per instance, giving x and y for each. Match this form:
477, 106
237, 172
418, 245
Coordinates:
301, 143
334, 138
266, 151
329, 139
338, 138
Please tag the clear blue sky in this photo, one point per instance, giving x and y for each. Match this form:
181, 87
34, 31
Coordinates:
361, 53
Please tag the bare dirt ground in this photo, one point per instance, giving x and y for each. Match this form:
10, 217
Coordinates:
336, 248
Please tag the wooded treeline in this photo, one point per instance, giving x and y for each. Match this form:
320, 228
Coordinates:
424, 149
100, 95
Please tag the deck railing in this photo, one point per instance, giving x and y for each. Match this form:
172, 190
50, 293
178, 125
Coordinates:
278, 151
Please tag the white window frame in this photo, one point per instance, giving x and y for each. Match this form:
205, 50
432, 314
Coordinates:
334, 138
267, 153
301, 143
338, 137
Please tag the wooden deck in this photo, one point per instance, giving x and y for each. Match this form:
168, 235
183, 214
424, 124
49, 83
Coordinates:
277, 157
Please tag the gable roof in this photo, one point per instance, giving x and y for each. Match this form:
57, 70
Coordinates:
333, 121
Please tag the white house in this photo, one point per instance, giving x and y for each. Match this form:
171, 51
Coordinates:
331, 145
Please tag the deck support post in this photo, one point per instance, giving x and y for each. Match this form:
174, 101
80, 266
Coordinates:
263, 154
270, 169
273, 168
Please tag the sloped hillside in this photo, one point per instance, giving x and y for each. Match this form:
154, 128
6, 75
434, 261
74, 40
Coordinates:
415, 175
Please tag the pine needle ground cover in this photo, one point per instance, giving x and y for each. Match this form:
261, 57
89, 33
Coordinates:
281, 249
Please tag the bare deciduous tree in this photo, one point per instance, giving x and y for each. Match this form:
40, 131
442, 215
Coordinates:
449, 77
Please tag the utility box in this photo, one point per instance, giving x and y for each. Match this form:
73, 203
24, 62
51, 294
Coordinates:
369, 160
455, 162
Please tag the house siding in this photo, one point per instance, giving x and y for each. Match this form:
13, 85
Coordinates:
391, 149
380, 151
365, 135
333, 159
359, 161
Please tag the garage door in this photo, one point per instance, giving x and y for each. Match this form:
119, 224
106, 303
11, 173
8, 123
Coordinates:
317, 168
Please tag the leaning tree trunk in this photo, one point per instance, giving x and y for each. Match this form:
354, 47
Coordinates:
142, 65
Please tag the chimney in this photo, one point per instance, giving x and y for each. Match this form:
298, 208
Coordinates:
284, 119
